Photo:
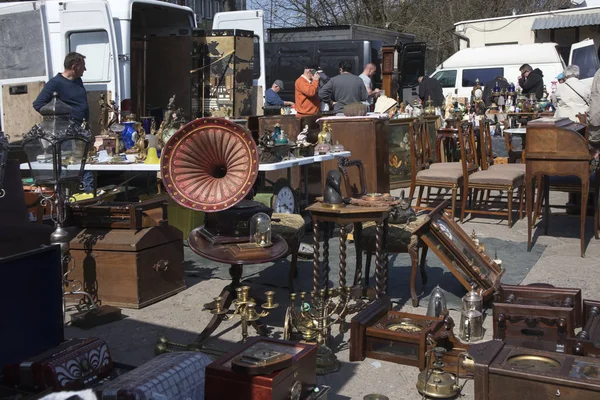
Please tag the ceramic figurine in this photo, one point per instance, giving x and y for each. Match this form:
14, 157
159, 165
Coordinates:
403, 213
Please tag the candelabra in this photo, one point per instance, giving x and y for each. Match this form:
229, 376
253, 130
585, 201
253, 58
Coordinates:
245, 308
315, 319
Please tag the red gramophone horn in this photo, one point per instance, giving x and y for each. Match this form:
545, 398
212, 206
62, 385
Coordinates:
209, 164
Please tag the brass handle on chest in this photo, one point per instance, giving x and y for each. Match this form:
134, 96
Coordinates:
161, 266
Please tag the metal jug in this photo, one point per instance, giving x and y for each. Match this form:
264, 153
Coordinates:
471, 326
472, 301
437, 302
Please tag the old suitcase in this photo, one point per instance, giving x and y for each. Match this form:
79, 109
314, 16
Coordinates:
129, 268
298, 380
70, 366
173, 376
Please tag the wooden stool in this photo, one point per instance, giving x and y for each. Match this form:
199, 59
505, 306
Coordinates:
399, 240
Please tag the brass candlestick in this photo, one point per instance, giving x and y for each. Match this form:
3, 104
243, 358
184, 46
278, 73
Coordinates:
245, 308
315, 319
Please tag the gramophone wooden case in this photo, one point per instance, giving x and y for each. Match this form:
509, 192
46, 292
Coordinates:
505, 372
536, 316
129, 268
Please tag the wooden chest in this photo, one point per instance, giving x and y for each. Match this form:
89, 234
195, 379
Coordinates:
224, 383
129, 268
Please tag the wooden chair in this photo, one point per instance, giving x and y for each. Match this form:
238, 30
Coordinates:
422, 176
352, 190
558, 148
505, 178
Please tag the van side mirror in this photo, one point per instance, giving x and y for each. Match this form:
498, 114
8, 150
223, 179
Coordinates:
456, 91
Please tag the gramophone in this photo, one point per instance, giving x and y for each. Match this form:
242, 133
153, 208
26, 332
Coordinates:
210, 165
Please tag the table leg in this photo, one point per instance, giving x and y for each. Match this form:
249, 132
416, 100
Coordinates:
227, 295
343, 237
529, 196
316, 261
438, 148
379, 269
583, 212
386, 261
413, 251
326, 237
358, 249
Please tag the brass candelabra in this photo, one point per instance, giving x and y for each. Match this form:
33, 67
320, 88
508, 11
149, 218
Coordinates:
245, 308
314, 320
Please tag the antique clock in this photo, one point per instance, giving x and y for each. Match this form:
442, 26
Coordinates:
536, 316
505, 372
587, 341
284, 198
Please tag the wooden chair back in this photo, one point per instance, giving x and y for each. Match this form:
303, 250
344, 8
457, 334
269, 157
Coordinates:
352, 190
485, 144
419, 153
466, 137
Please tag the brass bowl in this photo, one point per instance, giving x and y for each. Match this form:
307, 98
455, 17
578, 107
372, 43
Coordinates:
373, 196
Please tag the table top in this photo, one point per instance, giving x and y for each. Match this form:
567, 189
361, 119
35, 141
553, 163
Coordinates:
156, 167
348, 209
516, 131
222, 253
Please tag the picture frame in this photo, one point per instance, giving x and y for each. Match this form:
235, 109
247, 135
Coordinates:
474, 269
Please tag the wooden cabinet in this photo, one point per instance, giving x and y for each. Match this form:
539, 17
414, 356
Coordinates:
129, 268
367, 139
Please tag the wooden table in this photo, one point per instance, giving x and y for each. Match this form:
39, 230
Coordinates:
222, 254
356, 215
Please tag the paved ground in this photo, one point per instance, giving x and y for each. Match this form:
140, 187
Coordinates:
181, 317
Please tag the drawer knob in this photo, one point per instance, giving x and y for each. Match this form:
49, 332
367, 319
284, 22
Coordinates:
161, 266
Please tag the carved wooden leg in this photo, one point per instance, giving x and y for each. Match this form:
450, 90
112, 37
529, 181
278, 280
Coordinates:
413, 251
368, 267
510, 200
343, 237
379, 270
358, 250
326, 237
422, 263
316, 261
529, 206
546, 203
584, 198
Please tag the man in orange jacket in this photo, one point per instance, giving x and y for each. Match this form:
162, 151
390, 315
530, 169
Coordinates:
307, 93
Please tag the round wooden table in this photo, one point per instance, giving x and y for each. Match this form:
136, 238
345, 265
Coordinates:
223, 253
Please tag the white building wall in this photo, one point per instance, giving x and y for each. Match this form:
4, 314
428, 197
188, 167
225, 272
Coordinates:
517, 29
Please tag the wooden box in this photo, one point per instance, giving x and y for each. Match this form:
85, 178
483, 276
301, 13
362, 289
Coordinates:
587, 341
223, 383
537, 317
123, 215
367, 139
504, 372
129, 268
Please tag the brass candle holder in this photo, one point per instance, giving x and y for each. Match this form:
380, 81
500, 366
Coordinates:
245, 308
314, 320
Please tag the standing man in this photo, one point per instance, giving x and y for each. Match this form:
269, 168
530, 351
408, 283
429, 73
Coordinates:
572, 97
307, 92
272, 95
366, 75
531, 81
594, 115
69, 86
344, 89
70, 89
431, 87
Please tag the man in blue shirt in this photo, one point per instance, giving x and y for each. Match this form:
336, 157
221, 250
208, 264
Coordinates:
69, 86
272, 95
70, 89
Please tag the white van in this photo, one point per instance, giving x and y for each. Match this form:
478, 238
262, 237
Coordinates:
137, 53
460, 71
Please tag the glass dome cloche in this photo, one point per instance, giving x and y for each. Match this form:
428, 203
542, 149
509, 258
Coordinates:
260, 230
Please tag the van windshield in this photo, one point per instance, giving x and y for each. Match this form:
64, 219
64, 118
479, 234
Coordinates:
485, 75
447, 78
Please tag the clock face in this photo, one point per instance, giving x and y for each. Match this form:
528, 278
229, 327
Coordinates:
284, 201
533, 363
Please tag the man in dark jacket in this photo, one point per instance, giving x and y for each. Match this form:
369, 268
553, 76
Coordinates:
431, 87
531, 81
489, 88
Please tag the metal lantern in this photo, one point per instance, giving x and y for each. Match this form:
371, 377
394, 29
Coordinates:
3, 160
57, 148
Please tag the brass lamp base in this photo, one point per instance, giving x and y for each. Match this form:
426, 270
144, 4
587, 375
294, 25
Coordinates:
327, 362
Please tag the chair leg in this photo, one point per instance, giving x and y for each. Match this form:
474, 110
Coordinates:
595, 199
547, 204
584, 197
420, 196
510, 200
521, 193
293, 265
411, 193
367, 267
422, 264
537, 206
428, 194
463, 204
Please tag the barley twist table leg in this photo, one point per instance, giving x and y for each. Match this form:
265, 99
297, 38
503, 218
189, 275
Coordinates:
379, 271
343, 237
316, 274
326, 268
386, 259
